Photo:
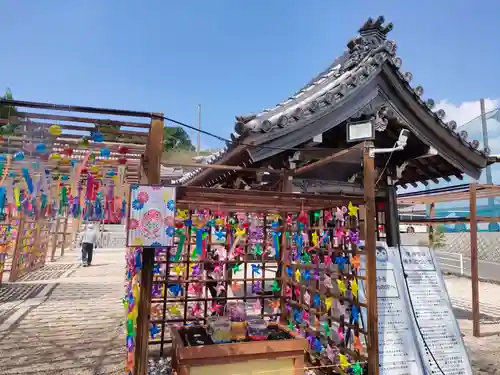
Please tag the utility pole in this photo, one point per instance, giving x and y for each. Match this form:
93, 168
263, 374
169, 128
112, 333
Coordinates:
199, 131
489, 178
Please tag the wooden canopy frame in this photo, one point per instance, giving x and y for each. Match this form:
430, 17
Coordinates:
132, 132
472, 193
141, 133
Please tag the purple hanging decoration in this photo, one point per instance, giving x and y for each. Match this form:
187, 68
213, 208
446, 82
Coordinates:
354, 237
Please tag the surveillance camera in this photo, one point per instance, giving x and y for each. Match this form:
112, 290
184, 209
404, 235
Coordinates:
403, 137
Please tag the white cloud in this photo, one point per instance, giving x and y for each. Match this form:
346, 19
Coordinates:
463, 113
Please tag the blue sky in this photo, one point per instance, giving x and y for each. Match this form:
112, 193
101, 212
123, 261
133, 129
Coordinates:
233, 57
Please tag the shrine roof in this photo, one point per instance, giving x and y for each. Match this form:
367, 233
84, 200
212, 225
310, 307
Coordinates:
369, 55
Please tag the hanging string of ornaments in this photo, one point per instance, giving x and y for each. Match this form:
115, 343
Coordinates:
28, 181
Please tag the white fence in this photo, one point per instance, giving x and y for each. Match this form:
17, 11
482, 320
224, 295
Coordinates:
451, 261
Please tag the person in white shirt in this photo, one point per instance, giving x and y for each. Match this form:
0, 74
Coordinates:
89, 241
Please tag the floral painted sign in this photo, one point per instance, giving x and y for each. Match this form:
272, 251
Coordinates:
152, 215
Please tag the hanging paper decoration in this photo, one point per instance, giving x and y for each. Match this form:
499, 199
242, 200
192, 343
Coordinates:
3, 197
123, 150
276, 242
18, 156
55, 156
27, 178
55, 130
97, 136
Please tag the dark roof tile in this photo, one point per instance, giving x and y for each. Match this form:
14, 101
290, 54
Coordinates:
366, 52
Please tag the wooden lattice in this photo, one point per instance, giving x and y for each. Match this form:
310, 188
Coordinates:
221, 258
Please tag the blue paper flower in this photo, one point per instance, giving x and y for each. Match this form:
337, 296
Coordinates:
169, 231
153, 330
255, 269
316, 300
289, 271
171, 205
156, 244
306, 275
188, 222
220, 235
137, 205
355, 313
175, 289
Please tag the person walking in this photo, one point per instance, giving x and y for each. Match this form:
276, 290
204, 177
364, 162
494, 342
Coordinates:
89, 241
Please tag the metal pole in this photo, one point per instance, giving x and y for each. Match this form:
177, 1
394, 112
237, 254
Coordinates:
461, 265
199, 131
484, 127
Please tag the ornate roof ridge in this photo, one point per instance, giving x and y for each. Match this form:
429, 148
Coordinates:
366, 54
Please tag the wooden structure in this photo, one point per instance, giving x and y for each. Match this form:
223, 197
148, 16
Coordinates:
305, 138
31, 247
470, 193
67, 141
168, 279
8, 240
284, 357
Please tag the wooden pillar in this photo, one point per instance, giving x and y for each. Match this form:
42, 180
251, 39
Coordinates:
150, 173
391, 215
14, 268
476, 331
55, 238
65, 228
371, 260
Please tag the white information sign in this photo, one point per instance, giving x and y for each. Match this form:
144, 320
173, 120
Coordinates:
398, 351
443, 350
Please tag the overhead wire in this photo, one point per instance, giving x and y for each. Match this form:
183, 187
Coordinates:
237, 143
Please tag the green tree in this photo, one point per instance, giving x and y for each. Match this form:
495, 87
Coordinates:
8, 112
176, 138
437, 239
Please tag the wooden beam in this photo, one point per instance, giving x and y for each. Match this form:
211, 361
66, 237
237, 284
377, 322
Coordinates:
76, 108
93, 127
476, 331
420, 167
222, 167
371, 260
433, 169
481, 192
325, 161
154, 150
450, 220
85, 120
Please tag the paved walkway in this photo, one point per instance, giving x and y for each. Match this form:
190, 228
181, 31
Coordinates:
65, 319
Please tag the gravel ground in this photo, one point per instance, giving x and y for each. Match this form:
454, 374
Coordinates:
484, 352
